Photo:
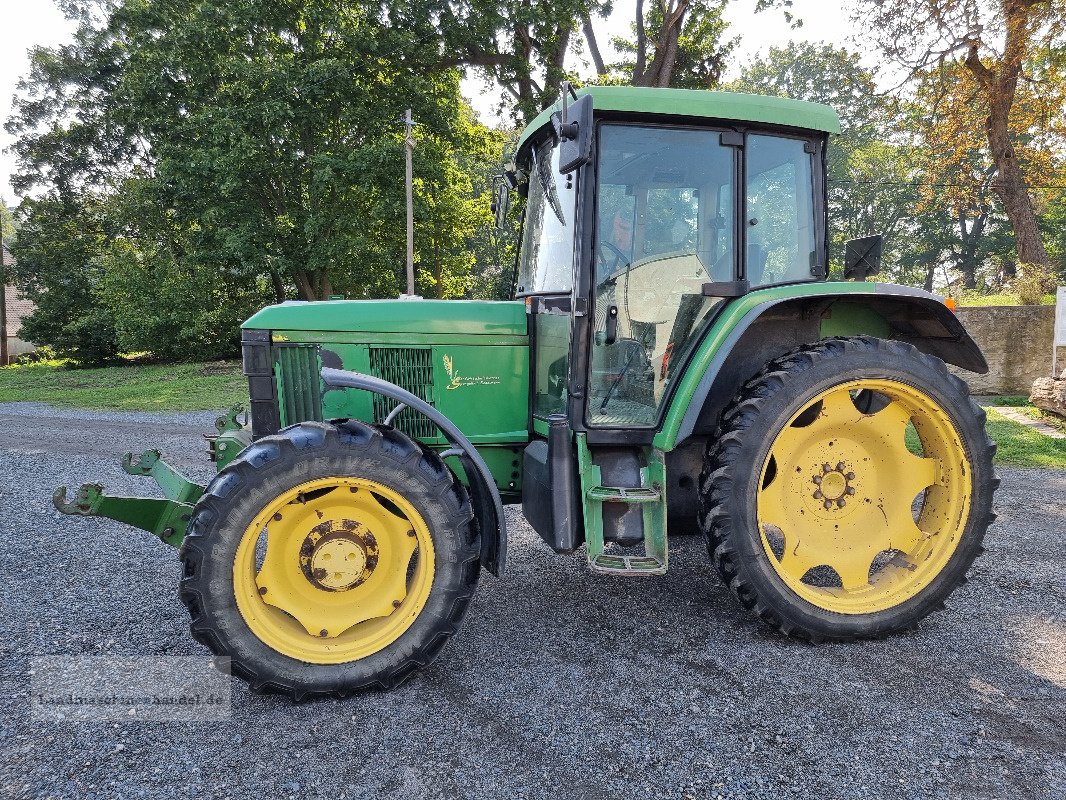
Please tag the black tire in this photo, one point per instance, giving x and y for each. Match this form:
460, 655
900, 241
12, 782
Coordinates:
276, 464
733, 470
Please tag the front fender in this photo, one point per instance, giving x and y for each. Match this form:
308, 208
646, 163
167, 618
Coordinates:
902, 312
485, 497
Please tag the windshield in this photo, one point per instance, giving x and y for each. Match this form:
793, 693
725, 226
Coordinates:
546, 257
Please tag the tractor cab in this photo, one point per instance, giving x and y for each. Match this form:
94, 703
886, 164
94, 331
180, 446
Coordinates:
678, 202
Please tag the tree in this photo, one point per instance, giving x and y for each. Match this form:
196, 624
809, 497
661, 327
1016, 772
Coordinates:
993, 41
7, 223
56, 267
868, 164
677, 43
234, 153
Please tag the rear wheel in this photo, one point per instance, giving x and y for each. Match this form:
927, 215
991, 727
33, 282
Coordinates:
330, 558
848, 489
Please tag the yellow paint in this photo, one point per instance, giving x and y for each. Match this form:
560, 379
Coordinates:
343, 576
840, 491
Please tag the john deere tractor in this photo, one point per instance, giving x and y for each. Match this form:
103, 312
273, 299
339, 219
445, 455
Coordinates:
674, 358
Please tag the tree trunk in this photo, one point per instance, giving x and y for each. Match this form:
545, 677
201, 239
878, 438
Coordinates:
642, 47
1000, 86
594, 48
303, 285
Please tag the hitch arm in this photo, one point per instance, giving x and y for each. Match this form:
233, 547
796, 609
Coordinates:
175, 486
167, 519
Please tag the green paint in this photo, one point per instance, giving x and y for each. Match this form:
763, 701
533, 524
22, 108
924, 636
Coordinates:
395, 339
852, 319
729, 106
718, 336
505, 464
418, 317
651, 495
167, 519
175, 486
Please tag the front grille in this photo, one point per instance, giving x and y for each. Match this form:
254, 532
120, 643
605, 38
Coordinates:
300, 383
410, 368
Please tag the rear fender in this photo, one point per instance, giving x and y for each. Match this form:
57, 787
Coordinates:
765, 324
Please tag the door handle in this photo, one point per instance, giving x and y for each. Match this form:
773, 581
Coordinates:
611, 332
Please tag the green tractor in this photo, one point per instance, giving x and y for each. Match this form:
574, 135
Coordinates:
674, 358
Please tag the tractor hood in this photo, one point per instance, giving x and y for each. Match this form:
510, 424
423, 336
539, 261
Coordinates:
396, 316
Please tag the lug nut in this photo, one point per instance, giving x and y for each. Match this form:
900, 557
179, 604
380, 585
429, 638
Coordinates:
817, 479
841, 503
826, 468
828, 504
840, 466
850, 476
850, 490
817, 495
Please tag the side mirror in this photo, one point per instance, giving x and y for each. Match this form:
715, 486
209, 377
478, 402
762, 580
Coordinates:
501, 203
862, 257
573, 129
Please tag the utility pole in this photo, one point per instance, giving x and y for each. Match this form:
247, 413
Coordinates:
409, 146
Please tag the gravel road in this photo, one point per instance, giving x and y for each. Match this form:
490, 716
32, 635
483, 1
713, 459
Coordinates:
561, 685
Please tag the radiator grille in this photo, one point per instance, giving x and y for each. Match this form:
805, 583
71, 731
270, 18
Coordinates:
301, 383
410, 368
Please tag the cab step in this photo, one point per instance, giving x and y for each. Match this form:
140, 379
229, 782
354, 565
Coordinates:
623, 494
650, 495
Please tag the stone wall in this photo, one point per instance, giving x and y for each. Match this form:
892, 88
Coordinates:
1016, 340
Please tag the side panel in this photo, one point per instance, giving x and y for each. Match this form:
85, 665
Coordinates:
480, 383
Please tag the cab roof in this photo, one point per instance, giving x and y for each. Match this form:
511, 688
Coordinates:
700, 103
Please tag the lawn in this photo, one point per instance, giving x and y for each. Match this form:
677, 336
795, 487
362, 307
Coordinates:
136, 387
1020, 446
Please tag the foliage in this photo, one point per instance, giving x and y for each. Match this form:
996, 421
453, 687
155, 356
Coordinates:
1033, 283
225, 155
994, 70
975, 299
676, 43
7, 223
128, 387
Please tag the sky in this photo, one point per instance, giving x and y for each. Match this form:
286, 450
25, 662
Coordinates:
28, 23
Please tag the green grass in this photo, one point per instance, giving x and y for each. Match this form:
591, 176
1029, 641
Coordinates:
135, 387
974, 300
1020, 446
1016, 400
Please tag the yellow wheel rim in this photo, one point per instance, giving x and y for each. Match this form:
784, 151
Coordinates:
333, 570
851, 518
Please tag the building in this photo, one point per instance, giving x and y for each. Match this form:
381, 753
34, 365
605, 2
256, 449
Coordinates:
16, 308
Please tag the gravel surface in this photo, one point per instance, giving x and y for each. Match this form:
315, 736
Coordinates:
562, 683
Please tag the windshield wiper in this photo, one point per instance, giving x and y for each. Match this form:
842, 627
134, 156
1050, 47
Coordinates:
547, 182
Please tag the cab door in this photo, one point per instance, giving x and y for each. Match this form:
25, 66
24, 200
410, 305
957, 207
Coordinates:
546, 279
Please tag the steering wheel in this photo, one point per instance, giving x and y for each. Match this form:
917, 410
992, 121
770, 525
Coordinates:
614, 260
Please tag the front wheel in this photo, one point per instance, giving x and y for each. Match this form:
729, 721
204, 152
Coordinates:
848, 489
330, 558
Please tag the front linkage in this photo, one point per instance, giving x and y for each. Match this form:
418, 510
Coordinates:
166, 518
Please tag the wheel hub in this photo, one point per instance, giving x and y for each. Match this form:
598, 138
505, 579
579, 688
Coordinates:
338, 556
833, 485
